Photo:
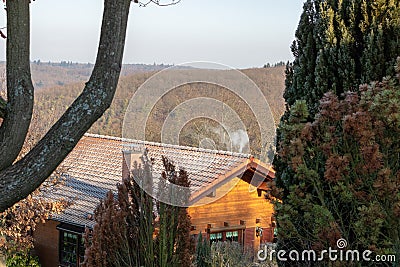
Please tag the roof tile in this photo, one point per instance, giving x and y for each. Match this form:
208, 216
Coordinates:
94, 167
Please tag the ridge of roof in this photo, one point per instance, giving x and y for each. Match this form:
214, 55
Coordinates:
164, 145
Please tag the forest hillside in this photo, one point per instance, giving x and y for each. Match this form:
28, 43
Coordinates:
51, 102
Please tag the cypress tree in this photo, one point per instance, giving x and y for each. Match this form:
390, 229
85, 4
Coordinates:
173, 241
203, 252
305, 51
125, 226
341, 44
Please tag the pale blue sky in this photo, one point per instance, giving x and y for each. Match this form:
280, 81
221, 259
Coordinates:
240, 34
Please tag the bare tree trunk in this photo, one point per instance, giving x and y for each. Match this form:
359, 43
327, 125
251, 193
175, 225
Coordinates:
18, 112
20, 179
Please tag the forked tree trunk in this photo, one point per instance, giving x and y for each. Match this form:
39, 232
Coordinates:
18, 112
18, 180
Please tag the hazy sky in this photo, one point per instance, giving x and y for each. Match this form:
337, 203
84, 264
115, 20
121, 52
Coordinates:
236, 33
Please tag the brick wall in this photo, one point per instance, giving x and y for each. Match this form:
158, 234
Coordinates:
46, 243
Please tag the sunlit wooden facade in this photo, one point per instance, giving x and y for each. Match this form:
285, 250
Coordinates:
239, 212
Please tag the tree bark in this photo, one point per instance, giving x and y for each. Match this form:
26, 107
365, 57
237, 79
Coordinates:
3, 106
20, 179
18, 110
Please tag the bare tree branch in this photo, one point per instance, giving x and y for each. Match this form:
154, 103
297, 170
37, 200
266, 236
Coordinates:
18, 113
158, 3
2, 35
20, 179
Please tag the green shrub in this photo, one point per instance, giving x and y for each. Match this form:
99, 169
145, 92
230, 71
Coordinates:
22, 260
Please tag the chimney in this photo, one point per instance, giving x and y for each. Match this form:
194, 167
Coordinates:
131, 154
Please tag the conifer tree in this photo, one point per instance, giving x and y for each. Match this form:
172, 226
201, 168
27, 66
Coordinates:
173, 241
344, 173
323, 185
203, 252
183, 240
341, 44
125, 231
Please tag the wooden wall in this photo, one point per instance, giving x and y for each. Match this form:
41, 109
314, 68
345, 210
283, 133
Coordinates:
236, 205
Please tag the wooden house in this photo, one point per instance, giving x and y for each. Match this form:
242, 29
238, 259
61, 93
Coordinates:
226, 200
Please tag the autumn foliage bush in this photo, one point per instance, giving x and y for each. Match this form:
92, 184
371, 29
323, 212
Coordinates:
128, 231
18, 223
342, 177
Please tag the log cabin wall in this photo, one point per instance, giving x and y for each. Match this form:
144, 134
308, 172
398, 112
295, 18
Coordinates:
238, 210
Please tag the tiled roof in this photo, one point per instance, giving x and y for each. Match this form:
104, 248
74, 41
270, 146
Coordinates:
95, 166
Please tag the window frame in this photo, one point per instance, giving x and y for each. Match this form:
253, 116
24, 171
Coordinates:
240, 236
78, 244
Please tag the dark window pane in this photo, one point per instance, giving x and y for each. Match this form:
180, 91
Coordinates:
216, 237
71, 246
232, 236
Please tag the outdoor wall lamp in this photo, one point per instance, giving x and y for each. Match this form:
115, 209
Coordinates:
259, 231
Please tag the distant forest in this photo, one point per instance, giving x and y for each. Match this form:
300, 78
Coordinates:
52, 101
51, 74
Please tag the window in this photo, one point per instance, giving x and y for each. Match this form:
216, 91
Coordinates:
71, 247
216, 237
232, 236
